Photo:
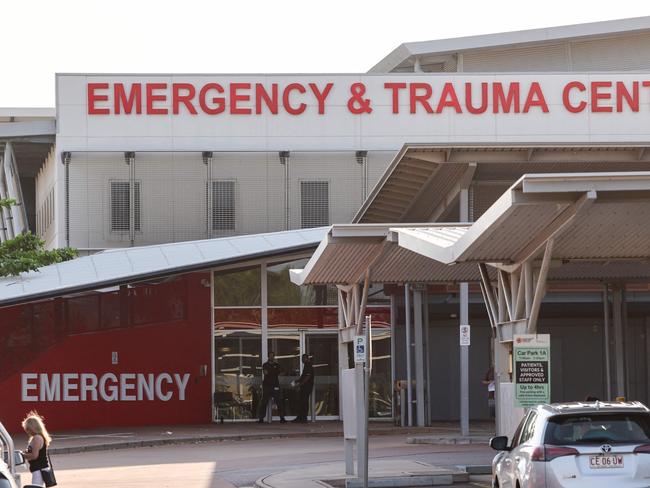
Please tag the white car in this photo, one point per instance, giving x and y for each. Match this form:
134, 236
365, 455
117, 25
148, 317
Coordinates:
576, 445
9, 459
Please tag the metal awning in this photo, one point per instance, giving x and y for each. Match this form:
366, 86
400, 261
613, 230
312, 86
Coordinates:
128, 265
423, 181
603, 217
347, 251
606, 217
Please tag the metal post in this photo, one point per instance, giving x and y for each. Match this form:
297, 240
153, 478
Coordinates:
360, 395
393, 318
367, 367
464, 363
342, 355
130, 160
618, 341
608, 361
464, 320
265, 329
409, 380
528, 286
348, 444
419, 357
626, 340
207, 160
427, 370
540, 289
284, 159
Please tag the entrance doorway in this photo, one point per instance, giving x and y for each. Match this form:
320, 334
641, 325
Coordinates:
323, 347
238, 372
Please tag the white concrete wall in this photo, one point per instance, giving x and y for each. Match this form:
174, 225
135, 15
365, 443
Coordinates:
173, 198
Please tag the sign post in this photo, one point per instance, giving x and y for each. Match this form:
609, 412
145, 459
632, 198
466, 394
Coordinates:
532, 366
363, 366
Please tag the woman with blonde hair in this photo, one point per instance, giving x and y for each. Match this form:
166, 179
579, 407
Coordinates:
39, 440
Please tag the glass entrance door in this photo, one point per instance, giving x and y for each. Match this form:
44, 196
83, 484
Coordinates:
323, 347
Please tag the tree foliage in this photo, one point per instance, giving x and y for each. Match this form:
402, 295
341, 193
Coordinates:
26, 251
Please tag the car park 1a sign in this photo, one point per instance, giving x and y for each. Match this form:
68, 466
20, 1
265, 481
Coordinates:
532, 366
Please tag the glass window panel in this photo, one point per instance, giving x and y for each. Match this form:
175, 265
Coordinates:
303, 318
162, 302
16, 339
287, 353
110, 310
238, 288
83, 313
281, 291
324, 351
380, 317
381, 388
238, 369
237, 318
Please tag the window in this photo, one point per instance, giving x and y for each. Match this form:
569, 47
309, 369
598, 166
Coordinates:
529, 429
598, 428
223, 205
282, 292
238, 288
120, 206
314, 204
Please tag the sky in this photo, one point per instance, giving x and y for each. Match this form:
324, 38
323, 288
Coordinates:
41, 38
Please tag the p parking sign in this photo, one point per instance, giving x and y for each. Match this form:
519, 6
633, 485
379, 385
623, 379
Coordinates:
360, 349
532, 365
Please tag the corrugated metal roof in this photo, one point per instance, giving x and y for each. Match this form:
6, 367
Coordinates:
119, 266
613, 226
421, 176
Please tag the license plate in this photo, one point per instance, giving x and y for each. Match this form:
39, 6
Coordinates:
606, 461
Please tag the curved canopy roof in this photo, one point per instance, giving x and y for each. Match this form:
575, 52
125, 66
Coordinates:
128, 265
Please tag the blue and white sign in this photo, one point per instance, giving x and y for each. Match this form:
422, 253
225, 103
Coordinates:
360, 349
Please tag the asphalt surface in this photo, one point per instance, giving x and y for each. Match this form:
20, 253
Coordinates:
229, 464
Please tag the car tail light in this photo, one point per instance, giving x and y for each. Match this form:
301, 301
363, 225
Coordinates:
643, 449
548, 453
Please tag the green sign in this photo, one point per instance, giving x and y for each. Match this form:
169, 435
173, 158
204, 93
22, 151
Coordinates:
532, 368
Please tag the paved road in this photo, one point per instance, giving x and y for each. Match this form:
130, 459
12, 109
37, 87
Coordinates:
235, 464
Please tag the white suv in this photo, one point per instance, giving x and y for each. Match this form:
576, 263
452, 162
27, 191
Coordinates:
577, 445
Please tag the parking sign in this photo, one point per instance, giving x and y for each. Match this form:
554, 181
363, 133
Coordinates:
360, 350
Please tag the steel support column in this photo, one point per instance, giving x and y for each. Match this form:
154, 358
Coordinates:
419, 357
608, 359
464, 320
409, 379
619, 347
393, 321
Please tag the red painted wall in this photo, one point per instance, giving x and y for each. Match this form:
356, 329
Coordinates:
181, 345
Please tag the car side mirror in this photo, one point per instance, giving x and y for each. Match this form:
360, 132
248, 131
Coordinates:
19, 459
499, 443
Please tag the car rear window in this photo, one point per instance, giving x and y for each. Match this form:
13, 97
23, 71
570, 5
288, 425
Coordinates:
598, 428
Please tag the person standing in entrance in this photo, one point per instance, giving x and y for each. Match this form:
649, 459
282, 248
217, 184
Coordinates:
305, 386
271, 388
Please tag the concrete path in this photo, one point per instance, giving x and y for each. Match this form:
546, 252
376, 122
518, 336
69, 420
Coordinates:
129, 437
382, 472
